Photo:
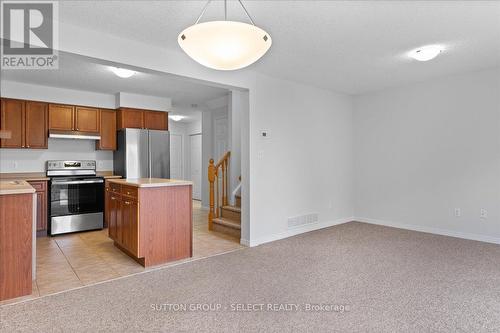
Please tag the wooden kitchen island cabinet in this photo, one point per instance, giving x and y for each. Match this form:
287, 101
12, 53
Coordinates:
150, 219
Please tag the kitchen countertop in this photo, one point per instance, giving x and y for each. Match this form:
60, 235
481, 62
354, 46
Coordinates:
150, 182
15, 187
27, 176
39, 176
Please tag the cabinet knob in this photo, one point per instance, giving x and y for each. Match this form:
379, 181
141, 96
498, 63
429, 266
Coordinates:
127, 202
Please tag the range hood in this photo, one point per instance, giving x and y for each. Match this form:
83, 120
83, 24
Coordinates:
74, 135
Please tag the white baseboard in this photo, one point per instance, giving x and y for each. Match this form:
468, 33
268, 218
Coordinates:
431, 230
244, 242
295, 231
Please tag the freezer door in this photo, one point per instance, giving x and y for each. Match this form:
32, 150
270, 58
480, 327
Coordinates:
159, 154
136, 153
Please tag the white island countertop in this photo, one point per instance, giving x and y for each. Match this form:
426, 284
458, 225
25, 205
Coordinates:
150, 182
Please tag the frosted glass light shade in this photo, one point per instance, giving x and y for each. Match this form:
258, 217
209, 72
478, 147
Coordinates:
224, 45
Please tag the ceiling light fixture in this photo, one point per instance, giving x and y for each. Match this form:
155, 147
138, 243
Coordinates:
224, 45
122, 72
176, 117
426, 53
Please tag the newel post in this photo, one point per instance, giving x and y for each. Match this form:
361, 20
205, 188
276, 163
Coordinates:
211, 180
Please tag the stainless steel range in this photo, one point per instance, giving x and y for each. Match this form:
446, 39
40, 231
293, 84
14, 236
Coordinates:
76, 196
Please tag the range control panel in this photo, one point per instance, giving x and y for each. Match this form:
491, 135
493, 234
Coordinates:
71, 165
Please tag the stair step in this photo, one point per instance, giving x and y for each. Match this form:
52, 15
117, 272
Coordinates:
238, 200
233, 208
227, 223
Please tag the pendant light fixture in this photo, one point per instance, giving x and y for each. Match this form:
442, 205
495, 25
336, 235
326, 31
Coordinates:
224, 45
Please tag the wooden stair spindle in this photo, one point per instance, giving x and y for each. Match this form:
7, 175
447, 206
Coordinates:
211, 180
218, 195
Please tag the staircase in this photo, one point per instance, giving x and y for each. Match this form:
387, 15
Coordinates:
222, 216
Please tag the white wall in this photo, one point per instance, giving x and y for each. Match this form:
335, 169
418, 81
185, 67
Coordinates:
56, 95
305, 165
33, 160
143, 102
238, 101
423, 150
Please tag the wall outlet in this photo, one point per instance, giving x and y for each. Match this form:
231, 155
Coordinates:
458, 212
484, 213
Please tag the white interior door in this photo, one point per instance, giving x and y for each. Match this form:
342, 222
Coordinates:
176, 156
195, 148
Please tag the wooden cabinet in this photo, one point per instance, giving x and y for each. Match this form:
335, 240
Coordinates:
107, 125
61, 117
25, 123
86, 119
16, 245
121, 213
73, 118
12, 123
129, 118
41, 205
36, 120
156, 120
130, 228
152, 225
137, 118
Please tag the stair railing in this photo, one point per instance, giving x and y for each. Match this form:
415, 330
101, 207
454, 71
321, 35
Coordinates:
218, 192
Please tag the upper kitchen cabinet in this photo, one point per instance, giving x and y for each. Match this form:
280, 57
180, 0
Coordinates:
107, 129
36, 120
12, 123
137, 118
129, 118
156, 120
61, 117
24, 123
86, 119
73, 118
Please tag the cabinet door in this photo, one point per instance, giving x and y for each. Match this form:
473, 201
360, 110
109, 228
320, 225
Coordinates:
61, 117
130, 226
41, 204
113, 216
156, 120
130, 118
107, 199
108, 130
12, 123
36, 116
86, 119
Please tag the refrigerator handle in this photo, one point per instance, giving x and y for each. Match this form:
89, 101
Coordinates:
149, 154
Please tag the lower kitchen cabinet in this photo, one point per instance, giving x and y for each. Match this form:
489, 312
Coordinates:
41, 205
122, 220
151, 225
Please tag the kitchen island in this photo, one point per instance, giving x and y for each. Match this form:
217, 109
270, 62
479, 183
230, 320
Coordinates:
17, 237
150, 219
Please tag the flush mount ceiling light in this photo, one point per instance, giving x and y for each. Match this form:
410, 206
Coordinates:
176, 117
224, 45
122, 72
426, 53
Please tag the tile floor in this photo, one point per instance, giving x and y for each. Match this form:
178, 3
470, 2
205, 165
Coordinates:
75, 260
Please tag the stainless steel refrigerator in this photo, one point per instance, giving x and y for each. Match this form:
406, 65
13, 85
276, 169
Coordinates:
142, 153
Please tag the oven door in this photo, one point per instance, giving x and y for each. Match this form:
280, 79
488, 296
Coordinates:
76, 204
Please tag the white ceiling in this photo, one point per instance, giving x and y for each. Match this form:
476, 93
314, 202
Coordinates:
348, 46
83, 73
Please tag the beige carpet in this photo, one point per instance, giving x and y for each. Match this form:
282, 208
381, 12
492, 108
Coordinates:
384, 280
